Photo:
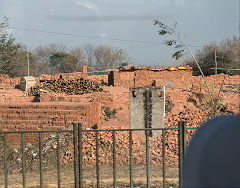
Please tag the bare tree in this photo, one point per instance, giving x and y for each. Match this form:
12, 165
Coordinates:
232, 47
109, 57
81, 56
89, 49
226, 54
43, 54
100, 57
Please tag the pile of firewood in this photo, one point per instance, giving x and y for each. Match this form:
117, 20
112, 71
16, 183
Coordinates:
71, 87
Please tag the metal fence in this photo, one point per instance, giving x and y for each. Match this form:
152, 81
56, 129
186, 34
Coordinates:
78, 133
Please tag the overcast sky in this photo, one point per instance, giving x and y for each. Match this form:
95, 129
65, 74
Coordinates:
126, 24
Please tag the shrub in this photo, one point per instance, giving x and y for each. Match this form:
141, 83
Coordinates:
168, 108
109, 113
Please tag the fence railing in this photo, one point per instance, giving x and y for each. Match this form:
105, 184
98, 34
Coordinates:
78, 133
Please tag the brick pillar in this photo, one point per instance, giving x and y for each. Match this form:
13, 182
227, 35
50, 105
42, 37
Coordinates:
84, 69
117, 80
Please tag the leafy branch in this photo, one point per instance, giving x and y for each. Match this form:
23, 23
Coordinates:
179, 43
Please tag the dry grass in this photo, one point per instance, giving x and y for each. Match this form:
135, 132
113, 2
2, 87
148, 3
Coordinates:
89, 177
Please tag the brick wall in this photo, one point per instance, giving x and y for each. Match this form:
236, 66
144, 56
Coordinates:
140, 78
98, 78
47, 116
122, 78
146, 78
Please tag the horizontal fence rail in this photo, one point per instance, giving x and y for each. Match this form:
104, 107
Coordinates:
78, 134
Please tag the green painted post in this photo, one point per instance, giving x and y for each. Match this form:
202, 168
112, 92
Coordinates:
58, 161
163, 161
147, 161
75, 155
131, 165
5, 160
23, 162
114, 160
40, 160
184, 138
97, 161
182, 149
80, 161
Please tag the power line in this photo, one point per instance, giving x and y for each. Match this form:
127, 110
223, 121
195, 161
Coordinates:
90, 36
85, 36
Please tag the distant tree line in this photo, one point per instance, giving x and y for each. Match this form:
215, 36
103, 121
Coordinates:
226, 54
55, 58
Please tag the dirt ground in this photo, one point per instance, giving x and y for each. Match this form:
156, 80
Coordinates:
89, 177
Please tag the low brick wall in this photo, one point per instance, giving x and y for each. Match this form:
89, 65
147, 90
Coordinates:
122, 78
141, 78
47, 116
178, 79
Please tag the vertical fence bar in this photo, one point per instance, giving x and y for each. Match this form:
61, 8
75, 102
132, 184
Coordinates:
184, 138
163, 161
58, 161
23, 161
5, 160
130, 156
97, 161
180, 154
40, 159
114, 160
75, 154
147, 160
80, 161
182, 148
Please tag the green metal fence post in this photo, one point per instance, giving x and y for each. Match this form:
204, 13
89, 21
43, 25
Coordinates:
184, 138
130, 153
40, 159
80, 161
182, 149
147, 160
163, 161
5, 160
75, 155
114, 160
58, 161
97, 161
23, 162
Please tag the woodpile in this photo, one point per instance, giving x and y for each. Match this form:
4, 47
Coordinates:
77, 86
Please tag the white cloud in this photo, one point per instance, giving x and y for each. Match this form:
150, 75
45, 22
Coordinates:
89, 5
103, 35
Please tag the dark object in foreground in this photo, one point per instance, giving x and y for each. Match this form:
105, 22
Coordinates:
213, 156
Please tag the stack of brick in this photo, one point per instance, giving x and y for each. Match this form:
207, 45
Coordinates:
53, 116
7, 82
